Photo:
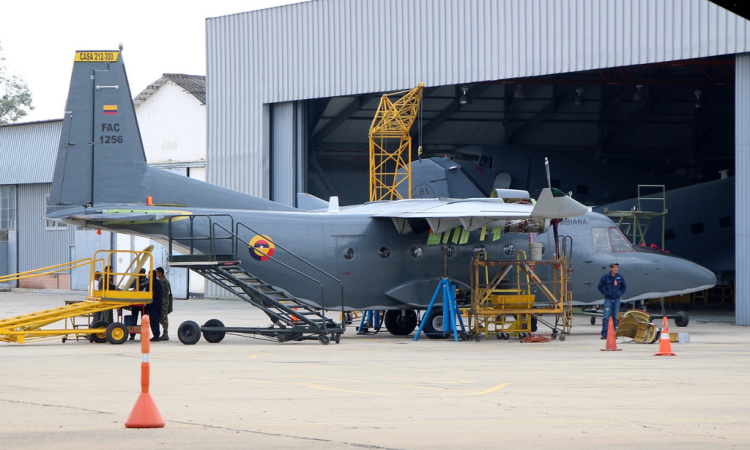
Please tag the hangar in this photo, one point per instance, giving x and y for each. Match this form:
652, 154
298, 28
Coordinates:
660, 87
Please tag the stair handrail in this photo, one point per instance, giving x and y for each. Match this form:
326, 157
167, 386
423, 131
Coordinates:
322, 288
341, 284
211, 238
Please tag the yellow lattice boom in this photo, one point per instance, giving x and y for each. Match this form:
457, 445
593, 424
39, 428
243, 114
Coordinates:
390, 143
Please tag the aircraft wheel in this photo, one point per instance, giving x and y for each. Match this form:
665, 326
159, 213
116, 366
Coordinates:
400, 322
189, 332
682, 319
593, 320
214, 337
433, 326
324, 339
98, 338
117, 333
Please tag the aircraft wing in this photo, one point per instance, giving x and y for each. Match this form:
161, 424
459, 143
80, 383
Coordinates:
473, 213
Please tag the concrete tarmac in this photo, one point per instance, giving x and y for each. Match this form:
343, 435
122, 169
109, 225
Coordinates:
375, 391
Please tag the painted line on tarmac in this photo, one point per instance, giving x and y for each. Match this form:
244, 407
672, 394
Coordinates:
335, 379
237, 379
323, 388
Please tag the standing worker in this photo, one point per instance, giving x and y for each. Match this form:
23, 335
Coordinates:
154, 308
166, 302
612, 285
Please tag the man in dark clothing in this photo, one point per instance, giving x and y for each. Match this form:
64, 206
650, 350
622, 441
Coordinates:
612, 285
154, 308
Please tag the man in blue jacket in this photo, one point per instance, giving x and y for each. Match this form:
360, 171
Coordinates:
612, 285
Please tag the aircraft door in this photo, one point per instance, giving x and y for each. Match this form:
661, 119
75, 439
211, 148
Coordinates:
348, 257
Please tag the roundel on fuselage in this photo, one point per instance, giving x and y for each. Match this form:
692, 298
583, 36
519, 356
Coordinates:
261, 248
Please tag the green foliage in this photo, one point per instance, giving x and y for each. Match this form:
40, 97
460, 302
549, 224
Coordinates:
14, 96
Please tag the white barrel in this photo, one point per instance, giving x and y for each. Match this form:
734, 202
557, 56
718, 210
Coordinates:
535, 251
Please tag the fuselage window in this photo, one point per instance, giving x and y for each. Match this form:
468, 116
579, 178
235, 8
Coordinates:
417, 251
480, 251
348, 253
384, 252
619, 242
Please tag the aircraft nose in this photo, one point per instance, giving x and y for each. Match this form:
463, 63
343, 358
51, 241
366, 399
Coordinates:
704, 277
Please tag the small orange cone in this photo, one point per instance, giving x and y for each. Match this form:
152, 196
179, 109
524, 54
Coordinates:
665, 346
611, 339
145, 414
294, 318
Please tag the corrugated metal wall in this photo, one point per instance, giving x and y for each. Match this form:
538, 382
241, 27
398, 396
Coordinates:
25, 152
742, 189
328, 48
37, 246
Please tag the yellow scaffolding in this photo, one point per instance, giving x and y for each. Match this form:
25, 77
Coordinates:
508, 309
28, 327
390, 143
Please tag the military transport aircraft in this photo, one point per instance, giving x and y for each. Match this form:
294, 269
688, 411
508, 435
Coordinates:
378, 250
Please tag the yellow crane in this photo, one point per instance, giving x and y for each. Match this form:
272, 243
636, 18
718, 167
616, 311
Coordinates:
390, 143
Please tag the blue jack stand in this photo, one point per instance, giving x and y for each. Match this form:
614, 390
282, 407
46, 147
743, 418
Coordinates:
370, 319
450, 309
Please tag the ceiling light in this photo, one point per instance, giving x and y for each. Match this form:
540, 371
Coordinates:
464, 97
579, 100
639, 96
698, 101
520, 93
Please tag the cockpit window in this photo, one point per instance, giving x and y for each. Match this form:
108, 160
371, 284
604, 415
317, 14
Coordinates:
619, 242
485, 161
610, 240
601, 239
467, 157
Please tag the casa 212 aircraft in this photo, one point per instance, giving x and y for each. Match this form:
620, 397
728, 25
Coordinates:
378, 250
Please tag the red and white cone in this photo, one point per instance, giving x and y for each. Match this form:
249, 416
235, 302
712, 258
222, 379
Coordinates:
665, 345
145, 414
611, 338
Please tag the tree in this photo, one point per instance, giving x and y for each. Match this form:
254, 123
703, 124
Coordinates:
14, 95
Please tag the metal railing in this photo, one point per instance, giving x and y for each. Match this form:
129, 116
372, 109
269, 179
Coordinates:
233, 236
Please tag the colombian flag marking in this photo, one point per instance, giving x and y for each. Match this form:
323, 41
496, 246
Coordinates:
261, 248
110, 110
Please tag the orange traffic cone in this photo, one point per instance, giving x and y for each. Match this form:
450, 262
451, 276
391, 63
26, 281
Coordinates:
665, 345
294, 318
611, 339
145, 414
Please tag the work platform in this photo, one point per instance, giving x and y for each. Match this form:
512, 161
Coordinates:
506, 307
106, 296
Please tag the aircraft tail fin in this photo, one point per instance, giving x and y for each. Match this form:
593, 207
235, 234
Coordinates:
101, 159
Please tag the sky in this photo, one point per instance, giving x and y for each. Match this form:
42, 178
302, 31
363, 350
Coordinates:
39, 40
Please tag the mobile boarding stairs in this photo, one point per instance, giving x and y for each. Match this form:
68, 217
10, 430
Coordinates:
293, 318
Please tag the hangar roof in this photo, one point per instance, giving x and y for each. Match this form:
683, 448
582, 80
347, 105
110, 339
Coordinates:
193, 84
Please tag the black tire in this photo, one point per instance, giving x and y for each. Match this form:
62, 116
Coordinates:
400, 322
189, 332
499, 335
562, 337
117, 333
682, 319
214, 337
593, 320
337, 338
433, 324
98, 338
477, 337
325, 340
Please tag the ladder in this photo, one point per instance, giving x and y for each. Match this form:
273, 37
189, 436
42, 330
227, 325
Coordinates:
293, 318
